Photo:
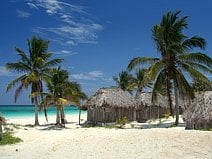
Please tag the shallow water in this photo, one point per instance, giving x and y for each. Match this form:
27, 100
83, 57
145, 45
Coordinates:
14, 111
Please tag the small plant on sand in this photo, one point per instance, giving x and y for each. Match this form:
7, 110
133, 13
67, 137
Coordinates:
167, 115
122, 121
8, 138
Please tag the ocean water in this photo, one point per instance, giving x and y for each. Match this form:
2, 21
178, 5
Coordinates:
15, 111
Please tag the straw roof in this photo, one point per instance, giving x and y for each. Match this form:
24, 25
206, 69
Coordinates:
112, 97
200, 108
146, 99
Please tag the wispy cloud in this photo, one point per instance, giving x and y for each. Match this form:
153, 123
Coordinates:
64, 53
93, 75
4, 72
74, 24
23, 14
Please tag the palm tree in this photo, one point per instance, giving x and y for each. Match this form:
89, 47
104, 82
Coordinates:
125, 81
61, 92
34, 68
176, 59
141, 80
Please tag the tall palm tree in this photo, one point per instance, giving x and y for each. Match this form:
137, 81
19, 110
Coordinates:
176, 59
62, 92
33, 67
125, 81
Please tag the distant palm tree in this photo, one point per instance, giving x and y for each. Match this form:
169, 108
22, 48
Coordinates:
34, 68
176, 61
141, 80
62, 92
125, 81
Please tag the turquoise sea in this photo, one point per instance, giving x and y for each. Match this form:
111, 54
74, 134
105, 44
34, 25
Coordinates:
15, 111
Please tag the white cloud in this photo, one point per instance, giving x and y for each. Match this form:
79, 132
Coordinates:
63, 53
23, 14
4, 72
93, 75
72, 29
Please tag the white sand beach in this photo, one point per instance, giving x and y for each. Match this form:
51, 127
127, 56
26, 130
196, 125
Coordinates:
95, 143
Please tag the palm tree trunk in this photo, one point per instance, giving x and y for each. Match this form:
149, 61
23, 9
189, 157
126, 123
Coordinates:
36, 112
63, 115
79, 115
176, 102
169, 97
58, 116
1, 131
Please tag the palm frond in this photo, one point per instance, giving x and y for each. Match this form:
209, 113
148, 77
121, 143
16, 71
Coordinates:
159, 83
197, 57
18, 91
193, 72
194, 41
198, 66
53, 62
184, 89
141, 60
24, 57
19, 67
14, 82
155, 69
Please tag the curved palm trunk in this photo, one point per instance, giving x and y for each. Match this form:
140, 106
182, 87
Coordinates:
176, 102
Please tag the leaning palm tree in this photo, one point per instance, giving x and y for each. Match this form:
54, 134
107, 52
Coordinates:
176, 59
61, 92
33, 67
125, 81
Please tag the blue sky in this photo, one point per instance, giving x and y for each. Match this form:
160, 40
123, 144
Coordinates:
97, 38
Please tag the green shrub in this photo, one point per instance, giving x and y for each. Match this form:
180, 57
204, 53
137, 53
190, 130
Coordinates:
166, 115
122, 121
8, 138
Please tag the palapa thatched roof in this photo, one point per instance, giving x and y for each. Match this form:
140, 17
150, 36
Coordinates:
200, 109
112, 97
146, 99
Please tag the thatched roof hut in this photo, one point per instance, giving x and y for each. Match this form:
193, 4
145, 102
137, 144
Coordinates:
148, 110
110, 104
199, 114
146, 99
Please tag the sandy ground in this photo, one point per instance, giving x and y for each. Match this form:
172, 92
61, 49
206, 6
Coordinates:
75, 142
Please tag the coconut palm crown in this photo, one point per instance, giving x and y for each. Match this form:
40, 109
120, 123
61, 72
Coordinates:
177, 61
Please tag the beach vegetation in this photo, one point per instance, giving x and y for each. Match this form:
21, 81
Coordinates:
122, 121
8, 138
176, 60
33, 67
2, 122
